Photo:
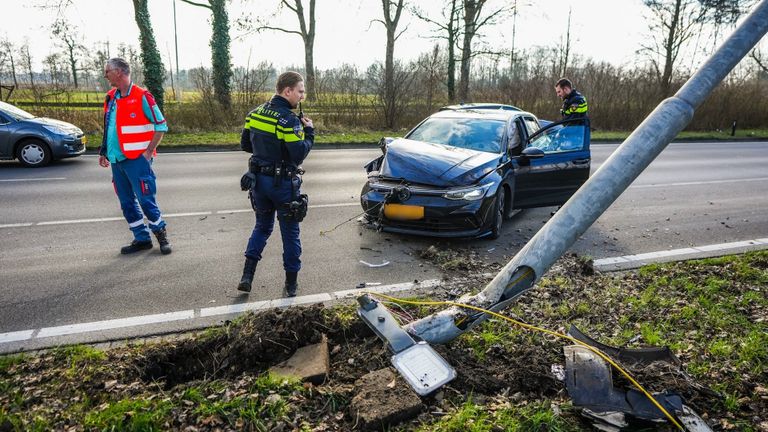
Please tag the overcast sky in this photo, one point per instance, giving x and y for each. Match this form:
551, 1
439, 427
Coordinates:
609, 30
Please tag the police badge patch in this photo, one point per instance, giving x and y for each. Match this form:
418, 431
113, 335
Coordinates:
298, 130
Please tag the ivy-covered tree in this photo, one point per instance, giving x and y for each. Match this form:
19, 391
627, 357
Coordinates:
154, 72
220, 57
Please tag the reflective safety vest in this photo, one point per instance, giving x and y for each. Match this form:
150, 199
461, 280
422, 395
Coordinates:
134, 130
574, 106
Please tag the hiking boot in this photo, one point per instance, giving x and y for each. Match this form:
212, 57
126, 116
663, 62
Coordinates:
136, 246
162, 238
248, 270
290, 284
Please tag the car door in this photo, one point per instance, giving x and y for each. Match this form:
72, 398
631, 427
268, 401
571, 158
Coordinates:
553, 178
5, 137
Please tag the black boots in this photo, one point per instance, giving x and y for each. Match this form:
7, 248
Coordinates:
136, 246
290, 284
162, 238
248, 270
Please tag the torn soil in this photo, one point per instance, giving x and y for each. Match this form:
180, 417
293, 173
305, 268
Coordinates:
712, 313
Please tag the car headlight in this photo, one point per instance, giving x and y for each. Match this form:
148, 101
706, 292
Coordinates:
58, 130
467, 194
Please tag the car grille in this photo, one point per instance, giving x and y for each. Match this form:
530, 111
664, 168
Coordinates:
436, 225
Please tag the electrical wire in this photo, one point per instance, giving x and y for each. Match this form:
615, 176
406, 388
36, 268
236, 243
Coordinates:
546, 331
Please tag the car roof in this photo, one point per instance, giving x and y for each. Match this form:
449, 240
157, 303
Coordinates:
4, 105
481, 106
493, 114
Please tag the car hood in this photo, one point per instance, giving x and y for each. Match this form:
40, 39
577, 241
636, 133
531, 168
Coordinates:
436, 164
68, 127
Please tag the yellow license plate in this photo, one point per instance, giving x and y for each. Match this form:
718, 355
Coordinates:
84, 140
403, 212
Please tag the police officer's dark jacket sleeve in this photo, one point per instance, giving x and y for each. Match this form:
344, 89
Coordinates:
245, 136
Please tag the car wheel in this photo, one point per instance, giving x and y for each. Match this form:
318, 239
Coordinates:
33, 154
509, 210
498, 214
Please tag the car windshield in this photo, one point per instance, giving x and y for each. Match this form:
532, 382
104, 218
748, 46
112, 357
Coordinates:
469, 133
16, 113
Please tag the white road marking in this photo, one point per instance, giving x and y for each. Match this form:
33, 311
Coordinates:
354, 204
113, 324
33, 179
700, 183
170, 215
96, 326
79, 221
15, 225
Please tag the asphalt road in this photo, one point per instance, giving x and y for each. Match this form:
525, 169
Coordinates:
61, 230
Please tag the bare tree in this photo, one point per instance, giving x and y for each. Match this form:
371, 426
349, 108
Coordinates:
447, 28
473, 22
307, 33
564, 49
220, 56
7, 48
390, 23
762, 63
69, 39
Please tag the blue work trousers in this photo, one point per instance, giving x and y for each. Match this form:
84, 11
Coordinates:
268, 198
135, 185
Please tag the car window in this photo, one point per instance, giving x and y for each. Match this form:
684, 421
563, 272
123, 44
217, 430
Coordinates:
531, 125
14, 112
561, 139
469, 133
514, 135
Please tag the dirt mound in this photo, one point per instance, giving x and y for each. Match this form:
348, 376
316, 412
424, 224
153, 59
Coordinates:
256, 343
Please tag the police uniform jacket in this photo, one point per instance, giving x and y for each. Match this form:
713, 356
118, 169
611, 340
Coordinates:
275, 135
574, 106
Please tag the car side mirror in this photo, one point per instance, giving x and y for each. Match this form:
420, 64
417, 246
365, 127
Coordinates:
532, 153
384, 142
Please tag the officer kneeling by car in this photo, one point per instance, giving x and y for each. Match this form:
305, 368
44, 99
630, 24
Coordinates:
280, 141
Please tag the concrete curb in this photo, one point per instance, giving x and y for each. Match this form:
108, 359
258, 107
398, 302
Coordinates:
709, 251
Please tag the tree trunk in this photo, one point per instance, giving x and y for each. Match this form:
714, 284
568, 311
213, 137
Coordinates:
452, 26
153, 70
73, 65
669, 49
472, 9
220, 64
390, 23
308, 34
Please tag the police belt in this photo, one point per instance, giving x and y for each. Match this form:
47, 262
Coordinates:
276, 170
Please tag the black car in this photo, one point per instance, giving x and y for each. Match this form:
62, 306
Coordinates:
461, 172
36, 141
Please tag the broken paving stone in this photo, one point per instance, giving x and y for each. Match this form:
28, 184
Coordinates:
376, 405
310, 363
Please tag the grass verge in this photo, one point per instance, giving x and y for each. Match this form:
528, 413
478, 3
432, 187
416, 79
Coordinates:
232, 140
713, 313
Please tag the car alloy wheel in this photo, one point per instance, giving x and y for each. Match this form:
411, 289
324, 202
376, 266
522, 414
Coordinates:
34, 154
498, 214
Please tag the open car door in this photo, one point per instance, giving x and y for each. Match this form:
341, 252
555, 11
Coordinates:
553, 178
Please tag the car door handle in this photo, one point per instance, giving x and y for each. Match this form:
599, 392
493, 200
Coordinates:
581, 161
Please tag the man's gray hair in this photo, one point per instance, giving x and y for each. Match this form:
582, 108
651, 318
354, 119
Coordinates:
118, 63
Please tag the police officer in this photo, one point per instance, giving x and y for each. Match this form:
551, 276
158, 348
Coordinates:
280, 141
574, 103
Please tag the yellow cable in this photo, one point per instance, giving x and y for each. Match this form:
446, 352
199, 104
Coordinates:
543, 330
